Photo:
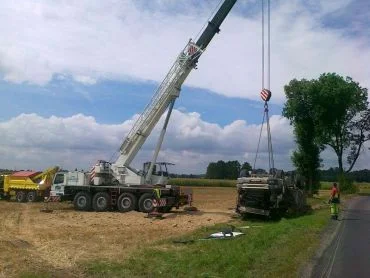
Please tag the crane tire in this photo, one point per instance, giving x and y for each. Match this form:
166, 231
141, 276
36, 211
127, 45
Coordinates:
101, 201
21, 196
126, 202
146, 203
82, 201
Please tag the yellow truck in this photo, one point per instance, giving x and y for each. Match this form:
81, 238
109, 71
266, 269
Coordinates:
28, 185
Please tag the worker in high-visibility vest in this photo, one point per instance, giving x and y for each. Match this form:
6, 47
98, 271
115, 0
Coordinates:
334, 201
156, 198
157, 193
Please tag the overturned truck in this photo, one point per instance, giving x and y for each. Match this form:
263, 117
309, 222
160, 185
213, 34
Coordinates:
269, 195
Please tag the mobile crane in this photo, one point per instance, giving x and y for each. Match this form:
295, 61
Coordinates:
117, 184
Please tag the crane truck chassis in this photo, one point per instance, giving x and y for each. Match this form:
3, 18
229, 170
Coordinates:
77, 187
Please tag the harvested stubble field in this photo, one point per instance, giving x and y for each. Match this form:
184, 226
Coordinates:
35, 242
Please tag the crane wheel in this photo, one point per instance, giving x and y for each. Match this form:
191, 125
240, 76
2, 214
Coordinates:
20, 196
101, 201
126, 202
31, 196
82, 201
146, 203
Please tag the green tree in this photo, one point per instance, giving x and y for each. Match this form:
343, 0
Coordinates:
211, 171
225, 170
299, 109
331, 111
341, 116
232, 170
216, 170
246, 165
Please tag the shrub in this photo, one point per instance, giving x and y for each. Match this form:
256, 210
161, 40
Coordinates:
346, 184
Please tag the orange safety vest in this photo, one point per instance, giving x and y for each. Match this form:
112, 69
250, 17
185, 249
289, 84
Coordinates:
335, 195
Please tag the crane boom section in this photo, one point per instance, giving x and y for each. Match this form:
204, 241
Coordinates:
170, 87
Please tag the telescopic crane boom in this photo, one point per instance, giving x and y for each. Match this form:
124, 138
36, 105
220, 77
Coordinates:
164, 98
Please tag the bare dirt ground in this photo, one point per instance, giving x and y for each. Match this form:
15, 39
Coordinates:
35, 242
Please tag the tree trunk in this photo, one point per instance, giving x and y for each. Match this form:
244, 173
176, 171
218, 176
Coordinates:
340, 163
309, 183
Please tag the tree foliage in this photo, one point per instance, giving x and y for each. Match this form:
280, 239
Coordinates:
299, 109
332, 174
342, 117
226, 170
331, 111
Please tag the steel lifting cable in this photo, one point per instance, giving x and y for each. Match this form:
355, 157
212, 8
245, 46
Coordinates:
266, 93
271, 152
259, 140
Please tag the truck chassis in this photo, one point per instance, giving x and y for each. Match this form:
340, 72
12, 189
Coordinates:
123, 198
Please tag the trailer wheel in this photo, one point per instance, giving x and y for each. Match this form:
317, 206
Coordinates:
126, 202
31, 196
146, 203
82, 201
20, 196
101, 201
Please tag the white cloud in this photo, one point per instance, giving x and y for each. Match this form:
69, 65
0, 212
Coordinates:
30, 141
33, 142
134, 40
86, 80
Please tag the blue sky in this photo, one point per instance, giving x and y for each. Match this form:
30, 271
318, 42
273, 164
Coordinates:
112, 102
94, 65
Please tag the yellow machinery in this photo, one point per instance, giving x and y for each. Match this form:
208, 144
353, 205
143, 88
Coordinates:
28, 185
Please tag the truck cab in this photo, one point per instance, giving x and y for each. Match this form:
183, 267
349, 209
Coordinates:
64, 179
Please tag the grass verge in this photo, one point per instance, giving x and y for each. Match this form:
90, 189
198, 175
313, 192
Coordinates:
268, 249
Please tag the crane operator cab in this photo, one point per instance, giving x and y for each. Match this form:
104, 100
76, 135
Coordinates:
159, 173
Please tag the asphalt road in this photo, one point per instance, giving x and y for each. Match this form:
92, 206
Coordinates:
348, 255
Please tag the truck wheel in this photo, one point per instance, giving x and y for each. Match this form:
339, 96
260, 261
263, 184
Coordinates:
126, 202
146, 203
101, 201
31, 196
82, 201
20, 196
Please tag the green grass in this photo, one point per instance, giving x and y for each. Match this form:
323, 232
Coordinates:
326, 185
269, 249
202, 182
363, 186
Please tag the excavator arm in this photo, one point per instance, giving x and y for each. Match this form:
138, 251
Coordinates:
47, 173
